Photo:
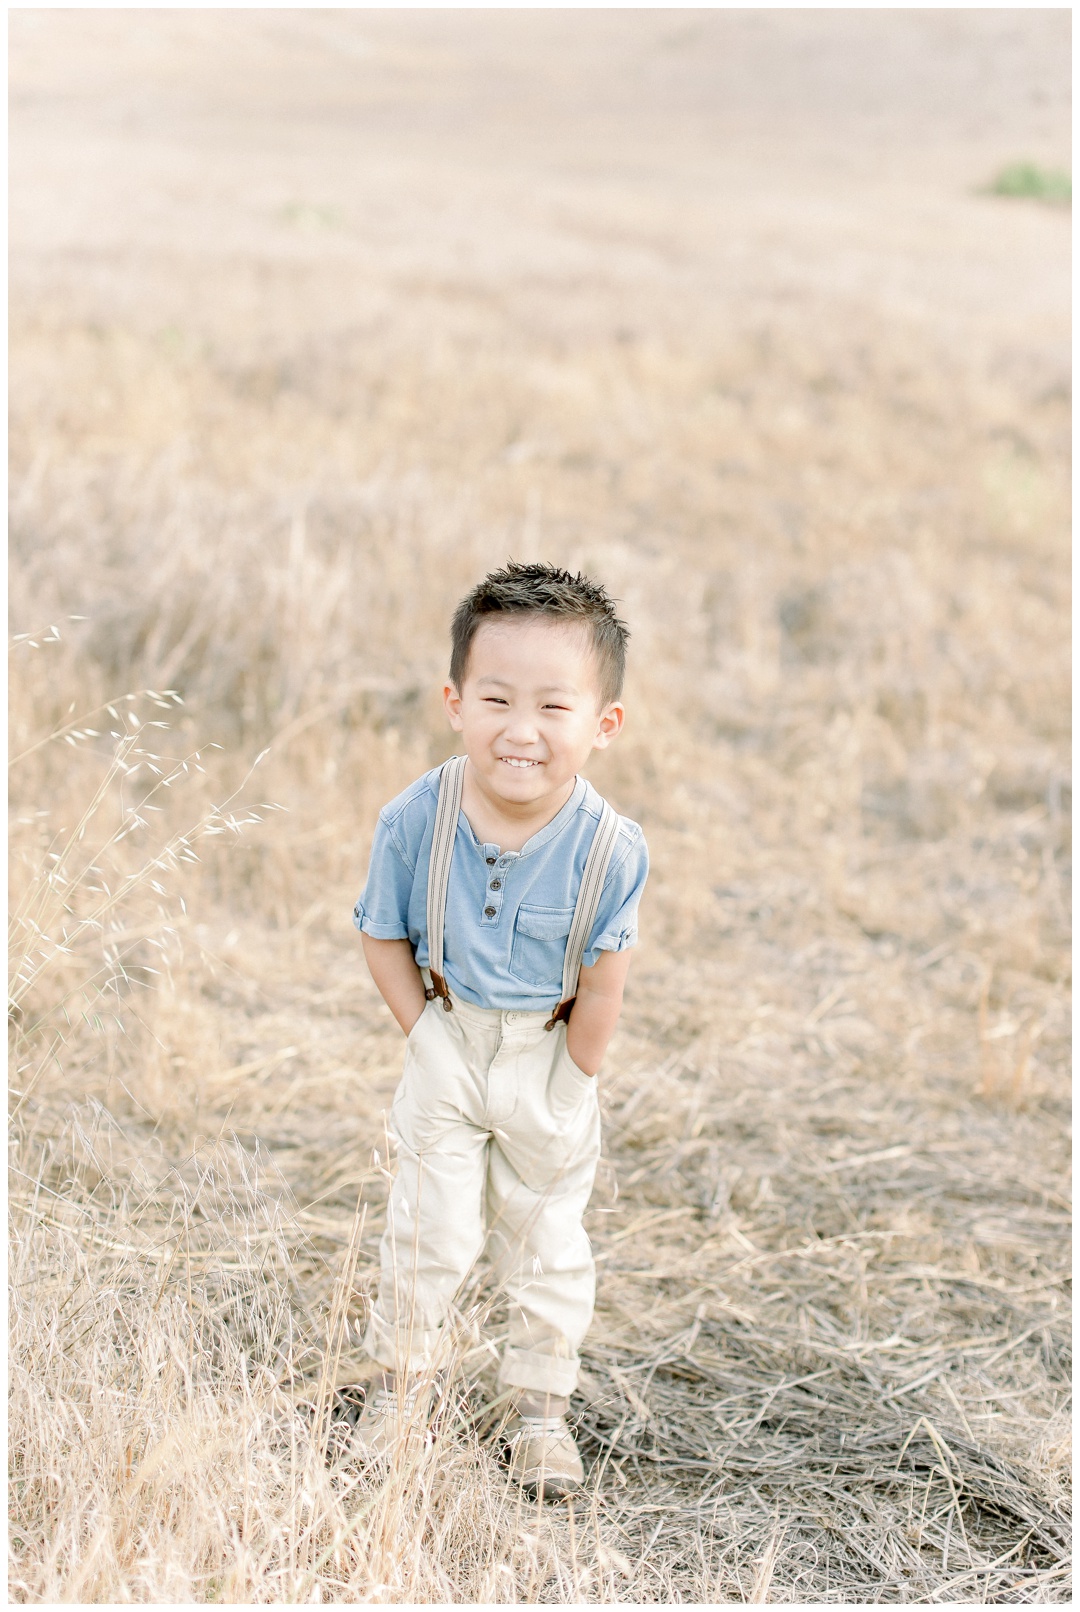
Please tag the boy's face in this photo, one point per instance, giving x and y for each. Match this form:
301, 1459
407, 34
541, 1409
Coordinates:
529, 711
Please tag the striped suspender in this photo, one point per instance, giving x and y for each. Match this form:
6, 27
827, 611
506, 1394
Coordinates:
588, 902
442, 849
585, 910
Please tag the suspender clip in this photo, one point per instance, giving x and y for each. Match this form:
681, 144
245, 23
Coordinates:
439, 987
561, 1012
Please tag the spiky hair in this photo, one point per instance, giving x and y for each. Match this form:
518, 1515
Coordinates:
538, 589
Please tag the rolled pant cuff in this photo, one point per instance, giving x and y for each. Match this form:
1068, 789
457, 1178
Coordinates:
527, 1368
399, 1350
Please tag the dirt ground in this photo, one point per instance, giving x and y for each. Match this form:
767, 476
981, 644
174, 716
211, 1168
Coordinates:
316, 315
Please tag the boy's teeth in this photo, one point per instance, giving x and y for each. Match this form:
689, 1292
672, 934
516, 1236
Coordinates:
512, 761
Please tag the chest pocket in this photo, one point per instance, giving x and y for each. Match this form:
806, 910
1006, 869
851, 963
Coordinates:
539, 947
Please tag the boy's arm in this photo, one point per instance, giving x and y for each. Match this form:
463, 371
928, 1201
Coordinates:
596, 1009
399, 981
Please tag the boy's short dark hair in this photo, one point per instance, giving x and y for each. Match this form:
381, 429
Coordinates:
539, 589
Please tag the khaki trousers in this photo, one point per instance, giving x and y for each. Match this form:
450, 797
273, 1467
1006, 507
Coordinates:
498, 1136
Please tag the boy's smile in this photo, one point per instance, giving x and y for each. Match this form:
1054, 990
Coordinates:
530, 715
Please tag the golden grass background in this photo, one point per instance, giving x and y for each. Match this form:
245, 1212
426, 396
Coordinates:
315, 316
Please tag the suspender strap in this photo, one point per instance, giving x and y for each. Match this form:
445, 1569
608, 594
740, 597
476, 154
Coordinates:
442, 849
588, 903
597, 863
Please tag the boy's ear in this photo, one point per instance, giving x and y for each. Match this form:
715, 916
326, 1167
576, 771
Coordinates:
452, 702
609, 724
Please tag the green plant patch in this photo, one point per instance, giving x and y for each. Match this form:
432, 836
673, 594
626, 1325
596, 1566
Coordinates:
1037, 184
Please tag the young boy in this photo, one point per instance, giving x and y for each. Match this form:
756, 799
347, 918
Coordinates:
500, 906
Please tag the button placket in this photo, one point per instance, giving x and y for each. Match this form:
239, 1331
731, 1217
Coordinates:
496, 868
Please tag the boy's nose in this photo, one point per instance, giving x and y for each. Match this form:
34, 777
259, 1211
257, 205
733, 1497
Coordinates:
520, 729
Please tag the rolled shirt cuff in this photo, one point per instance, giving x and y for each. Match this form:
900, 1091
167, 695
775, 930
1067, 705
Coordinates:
377, 931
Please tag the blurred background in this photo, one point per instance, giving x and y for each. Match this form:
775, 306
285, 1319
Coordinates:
761, 317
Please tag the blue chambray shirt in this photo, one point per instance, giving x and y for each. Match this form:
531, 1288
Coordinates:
507, 912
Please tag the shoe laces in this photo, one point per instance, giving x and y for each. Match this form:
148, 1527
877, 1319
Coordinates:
388, 1402
538, 1426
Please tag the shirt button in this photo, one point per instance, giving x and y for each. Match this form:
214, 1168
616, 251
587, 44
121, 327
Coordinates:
490, 860
489, 912
496, 884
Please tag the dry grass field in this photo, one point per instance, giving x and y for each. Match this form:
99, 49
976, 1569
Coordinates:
315, 316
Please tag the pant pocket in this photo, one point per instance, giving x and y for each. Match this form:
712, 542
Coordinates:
428, 1099
568, 1086
556, 1123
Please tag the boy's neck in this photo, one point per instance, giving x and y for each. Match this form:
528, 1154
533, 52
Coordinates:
508, 824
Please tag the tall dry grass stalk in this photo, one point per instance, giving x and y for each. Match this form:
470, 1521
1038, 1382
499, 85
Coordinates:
265, 430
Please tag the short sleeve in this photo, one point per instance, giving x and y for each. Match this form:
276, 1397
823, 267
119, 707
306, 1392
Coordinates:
616, 922
383, 908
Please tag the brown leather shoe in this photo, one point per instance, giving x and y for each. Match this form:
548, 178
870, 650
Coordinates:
390, 1420
543, 1455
